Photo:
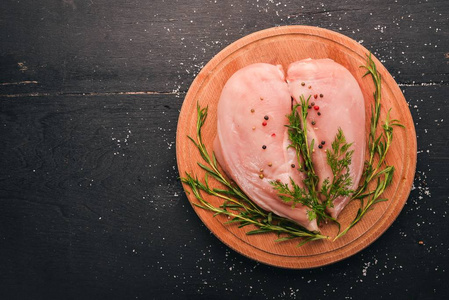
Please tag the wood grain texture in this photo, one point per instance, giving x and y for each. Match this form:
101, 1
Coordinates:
283, 46
139, 45
75, 74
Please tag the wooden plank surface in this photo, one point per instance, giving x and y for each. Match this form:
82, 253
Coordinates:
84, 216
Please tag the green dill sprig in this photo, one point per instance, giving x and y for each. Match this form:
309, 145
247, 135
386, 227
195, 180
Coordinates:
236, 204
339, 158
378, 146
295, 194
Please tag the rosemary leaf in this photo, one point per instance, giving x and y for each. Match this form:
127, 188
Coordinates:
236, 205
378, 145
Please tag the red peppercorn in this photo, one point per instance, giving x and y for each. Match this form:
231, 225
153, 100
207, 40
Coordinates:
273, 134
315, 96
264, 123
316, 107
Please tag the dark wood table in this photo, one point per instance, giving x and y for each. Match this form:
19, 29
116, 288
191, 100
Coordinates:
91, 205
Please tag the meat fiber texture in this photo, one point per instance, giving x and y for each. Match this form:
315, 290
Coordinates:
252, 141
339, 100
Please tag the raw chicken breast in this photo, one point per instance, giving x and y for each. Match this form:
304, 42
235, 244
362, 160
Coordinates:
251, 143
339, 101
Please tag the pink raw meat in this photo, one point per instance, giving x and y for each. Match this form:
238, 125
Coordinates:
252, 140
338, 98
251, 143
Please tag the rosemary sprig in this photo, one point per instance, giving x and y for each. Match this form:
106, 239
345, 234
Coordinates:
244, 215
236, 204
212, 166
378, 147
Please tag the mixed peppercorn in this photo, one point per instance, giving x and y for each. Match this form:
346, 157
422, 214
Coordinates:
313, 122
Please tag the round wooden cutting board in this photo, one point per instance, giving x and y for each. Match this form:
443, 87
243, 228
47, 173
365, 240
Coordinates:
284, 45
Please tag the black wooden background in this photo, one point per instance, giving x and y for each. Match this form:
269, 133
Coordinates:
90, 202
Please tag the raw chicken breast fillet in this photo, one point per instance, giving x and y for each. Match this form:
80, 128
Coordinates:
252, 140
251, 143
339, 100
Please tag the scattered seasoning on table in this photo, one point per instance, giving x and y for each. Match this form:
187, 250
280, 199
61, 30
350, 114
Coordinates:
264, 123
264, 147
261, 98
273, 134
315, 96
323, 142
261, 176
313, 122
313, 150
254, 127
261, 170
313, 103
252, 110
321, 95
421, 242
303, 83
310, 86
266, 117
292, 165
316, 107
270, 164
320, 146
319, 113
309, 107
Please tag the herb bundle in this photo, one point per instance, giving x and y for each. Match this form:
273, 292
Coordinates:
241, 210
